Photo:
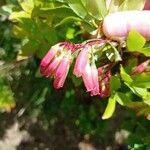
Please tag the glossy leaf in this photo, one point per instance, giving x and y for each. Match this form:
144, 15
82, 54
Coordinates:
97, 8
110, 108
145, 51
68, 19
126, 78
15, 16
141, 92
29, 26
135, 41
122, 5
122, 98
115, 83
60, 12
78, 7
142, 80
27, 5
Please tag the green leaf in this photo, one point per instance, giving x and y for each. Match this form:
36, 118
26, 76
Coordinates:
117, 55
46, 3
78, 7
126, 78
145, 51
29, 27
19, 32
132, 5
142, 80
6, 9
110, 108
96, 8
16, 16
122, 99
146, 98
88, 27
122, 5
141, 92
48, 33
29, 47
135, 41
67, 19
115, 83
56, 12
131, 63
27, 5
43, 49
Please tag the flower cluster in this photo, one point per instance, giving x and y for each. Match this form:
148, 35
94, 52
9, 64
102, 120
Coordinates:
57, 61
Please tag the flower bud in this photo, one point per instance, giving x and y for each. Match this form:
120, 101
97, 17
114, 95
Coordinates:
141, 68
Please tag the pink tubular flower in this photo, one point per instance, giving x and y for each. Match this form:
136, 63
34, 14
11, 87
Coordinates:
85, 67
52, 67
141, 68
95, 79
61, 73
48, 58
87, 78
81, 62
56, 63
64, 65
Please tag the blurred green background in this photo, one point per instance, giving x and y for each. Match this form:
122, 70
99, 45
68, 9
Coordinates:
35, 116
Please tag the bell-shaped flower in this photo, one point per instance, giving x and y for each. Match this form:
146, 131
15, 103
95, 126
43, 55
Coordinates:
87, 78
48, 58
81, 62
56, 63
64, 65
61, 73
95, 79
50, 71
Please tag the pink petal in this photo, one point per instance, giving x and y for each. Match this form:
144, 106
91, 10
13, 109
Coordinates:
63, 66
94, 72
87, 78
81, 62
52, 67
60, 80
47, 58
